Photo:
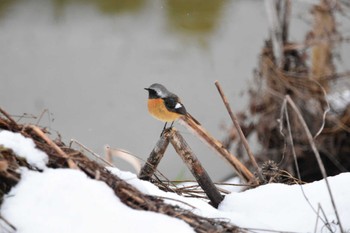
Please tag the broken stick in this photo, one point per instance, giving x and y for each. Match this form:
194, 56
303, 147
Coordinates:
154, 158
202, 177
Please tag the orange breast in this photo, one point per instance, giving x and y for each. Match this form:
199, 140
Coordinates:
158, 110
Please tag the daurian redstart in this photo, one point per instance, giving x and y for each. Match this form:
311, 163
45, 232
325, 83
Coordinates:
165, 105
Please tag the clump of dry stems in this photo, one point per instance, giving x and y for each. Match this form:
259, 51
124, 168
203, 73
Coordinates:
306, 73
62, 156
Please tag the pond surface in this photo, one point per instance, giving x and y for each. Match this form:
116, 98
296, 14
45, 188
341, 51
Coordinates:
87, 62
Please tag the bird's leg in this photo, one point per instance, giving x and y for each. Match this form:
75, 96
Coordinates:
164, 128
171, 126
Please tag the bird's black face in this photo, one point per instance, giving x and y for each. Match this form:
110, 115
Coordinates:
152, 94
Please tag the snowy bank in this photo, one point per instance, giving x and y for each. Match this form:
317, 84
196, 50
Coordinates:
66, 200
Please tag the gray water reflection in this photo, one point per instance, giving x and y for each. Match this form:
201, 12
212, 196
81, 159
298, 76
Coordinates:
194, 16
88, 62
104, 6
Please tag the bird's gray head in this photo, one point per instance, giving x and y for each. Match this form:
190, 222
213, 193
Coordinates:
157, 90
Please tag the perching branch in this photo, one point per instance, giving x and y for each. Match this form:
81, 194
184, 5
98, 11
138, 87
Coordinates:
197, 170
189, 158
154, 158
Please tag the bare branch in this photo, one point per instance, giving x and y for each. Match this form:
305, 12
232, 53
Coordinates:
240, 169
238, 127
196, 168
154, 158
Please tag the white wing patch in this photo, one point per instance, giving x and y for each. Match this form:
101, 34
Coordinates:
178, 105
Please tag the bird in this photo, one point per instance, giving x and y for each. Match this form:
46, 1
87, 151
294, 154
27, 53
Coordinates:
165, 105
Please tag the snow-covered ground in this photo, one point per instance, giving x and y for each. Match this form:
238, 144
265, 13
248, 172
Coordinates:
66, 200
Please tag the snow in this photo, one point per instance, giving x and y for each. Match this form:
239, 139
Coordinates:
66, 200
24, 147
283, 207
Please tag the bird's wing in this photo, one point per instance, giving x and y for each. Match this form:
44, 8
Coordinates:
173, 104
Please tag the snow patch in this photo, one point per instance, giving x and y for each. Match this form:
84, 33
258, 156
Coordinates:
284, 208
66, 200
24, 147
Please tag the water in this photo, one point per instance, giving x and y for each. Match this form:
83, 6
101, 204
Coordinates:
87, 62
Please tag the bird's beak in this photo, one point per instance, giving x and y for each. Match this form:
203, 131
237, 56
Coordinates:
146, 88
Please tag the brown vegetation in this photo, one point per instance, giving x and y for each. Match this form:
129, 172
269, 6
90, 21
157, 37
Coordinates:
289, 73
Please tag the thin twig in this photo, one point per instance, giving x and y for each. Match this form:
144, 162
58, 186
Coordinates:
325, 111
328, 225
267, 230
317, 155
285, 107
168, 186
89, 150
216, 183
8, 117
176, 200
41, 116
326, 222
285, 111
8, 223
239, 129
318, 213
